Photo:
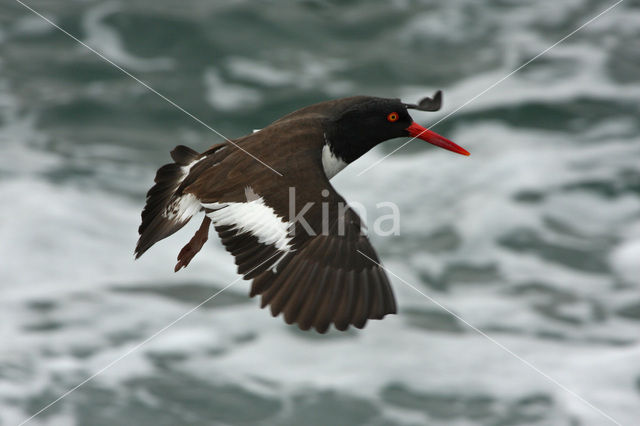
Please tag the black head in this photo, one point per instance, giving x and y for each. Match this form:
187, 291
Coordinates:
360, 123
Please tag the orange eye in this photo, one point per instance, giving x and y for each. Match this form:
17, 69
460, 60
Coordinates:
393, 117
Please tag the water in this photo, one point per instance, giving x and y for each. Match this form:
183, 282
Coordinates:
534, 239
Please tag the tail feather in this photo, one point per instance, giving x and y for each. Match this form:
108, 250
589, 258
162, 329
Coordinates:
183, 155
166, 211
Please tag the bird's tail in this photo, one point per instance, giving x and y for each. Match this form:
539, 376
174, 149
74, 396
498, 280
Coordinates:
167, 209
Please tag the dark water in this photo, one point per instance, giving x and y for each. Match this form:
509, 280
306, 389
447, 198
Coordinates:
534, 239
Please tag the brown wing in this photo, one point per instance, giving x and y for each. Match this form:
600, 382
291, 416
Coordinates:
324, 277
330, 279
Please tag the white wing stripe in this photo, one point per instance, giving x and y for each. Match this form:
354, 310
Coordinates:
254, 217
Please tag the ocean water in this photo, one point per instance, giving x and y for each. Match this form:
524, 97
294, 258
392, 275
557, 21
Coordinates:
534, 239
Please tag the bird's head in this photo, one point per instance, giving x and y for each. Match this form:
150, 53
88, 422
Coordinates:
362, 122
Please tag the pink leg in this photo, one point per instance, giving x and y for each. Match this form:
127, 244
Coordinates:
194, 245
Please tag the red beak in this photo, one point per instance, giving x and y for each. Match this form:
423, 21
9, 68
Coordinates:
417, 131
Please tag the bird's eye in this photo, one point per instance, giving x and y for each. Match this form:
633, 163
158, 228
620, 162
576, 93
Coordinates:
393, 117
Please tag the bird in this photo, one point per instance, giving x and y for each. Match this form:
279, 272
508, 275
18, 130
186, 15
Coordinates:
314, 264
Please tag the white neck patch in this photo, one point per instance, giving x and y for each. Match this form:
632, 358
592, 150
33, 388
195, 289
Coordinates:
331, 163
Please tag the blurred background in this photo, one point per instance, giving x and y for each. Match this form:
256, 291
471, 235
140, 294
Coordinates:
535, 238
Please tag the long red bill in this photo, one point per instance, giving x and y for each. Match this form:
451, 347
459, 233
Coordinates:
417, 131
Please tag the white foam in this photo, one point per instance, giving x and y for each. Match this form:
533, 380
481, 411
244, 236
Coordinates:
107, 41
228, 96
626, 261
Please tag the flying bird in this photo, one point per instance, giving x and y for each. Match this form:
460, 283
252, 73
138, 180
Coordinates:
312, 262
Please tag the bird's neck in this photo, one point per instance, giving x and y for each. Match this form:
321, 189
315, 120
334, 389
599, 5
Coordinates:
332, 162
348, 143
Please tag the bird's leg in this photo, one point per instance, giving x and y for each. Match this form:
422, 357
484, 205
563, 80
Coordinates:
194, 245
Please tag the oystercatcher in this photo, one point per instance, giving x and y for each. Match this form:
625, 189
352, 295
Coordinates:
290, 232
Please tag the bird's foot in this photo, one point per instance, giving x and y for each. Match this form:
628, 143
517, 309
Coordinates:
194, 245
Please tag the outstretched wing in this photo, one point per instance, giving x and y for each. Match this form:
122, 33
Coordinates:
330, 279
313, 264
